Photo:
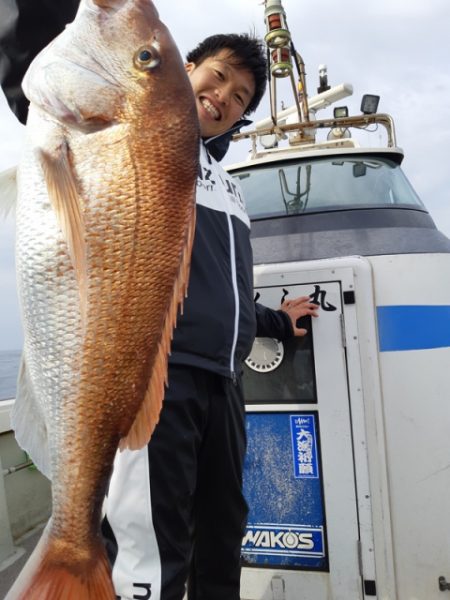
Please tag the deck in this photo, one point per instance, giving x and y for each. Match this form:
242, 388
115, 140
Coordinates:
10, 568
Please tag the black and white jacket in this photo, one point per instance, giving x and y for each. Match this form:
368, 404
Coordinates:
220, 318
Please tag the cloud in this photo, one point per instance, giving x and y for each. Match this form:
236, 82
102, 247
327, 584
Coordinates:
11, 136
407, 9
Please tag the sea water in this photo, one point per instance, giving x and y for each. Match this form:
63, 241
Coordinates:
9, 369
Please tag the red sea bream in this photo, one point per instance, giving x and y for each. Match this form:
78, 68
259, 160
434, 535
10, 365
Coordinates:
105, 222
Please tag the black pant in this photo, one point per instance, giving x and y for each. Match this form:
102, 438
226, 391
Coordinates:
196, 459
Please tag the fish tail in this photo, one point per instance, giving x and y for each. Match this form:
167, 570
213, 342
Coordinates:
50, 575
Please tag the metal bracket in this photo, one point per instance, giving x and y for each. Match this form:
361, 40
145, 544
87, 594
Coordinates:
278, 588
443, 585
343, 338
6, 541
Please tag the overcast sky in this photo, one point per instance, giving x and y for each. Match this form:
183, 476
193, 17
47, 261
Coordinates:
398, 49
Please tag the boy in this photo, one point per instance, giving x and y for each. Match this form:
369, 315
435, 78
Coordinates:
176, 508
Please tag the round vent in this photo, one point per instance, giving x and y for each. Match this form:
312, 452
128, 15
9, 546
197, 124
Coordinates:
266, 355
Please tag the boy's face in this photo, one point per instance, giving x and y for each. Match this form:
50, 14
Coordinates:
222, 92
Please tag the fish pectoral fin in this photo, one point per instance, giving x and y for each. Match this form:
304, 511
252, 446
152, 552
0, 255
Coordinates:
28, 422
148, 415
67, 204
8, 191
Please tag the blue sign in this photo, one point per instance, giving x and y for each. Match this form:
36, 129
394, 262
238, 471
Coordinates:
304, 446
286, 523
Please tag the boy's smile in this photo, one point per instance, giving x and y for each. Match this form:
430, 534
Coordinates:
222, 92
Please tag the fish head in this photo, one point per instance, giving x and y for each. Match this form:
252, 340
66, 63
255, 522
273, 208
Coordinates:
117, 62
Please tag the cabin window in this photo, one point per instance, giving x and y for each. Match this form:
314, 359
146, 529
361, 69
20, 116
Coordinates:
292, 381
334, 183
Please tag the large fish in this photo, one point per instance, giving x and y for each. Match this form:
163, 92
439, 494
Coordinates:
105, 222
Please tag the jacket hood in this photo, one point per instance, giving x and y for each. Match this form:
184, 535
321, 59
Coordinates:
218, 145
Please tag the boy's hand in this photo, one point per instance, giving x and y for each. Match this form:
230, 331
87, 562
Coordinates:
299, 307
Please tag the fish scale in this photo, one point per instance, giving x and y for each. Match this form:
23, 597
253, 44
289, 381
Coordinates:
106, 216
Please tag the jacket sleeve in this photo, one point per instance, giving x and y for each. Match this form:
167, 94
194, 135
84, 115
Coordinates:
27, 26
272, 323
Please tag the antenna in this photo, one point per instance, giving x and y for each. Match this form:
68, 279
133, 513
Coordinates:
301, 131
281, 56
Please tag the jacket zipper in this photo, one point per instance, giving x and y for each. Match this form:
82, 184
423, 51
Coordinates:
236, 297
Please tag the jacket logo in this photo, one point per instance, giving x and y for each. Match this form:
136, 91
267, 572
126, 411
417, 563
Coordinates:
205, 179
235, 195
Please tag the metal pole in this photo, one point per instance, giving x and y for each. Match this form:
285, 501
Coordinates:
20, 467
6, 541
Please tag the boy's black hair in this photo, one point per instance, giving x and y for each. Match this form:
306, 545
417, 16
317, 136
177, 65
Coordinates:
247, 52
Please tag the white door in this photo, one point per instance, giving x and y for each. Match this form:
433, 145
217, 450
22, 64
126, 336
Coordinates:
302, 534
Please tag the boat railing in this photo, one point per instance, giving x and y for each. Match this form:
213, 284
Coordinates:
305, 132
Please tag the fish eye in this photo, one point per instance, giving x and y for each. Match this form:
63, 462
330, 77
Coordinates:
147, 58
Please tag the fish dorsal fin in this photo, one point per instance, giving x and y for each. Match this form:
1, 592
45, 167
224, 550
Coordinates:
148, 415
65, 200
8, 191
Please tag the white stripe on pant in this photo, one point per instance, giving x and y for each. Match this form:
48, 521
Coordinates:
130, 517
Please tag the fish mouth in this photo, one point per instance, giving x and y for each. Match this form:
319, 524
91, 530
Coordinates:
210, 108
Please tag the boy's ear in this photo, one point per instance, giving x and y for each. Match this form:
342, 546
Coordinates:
189, 67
